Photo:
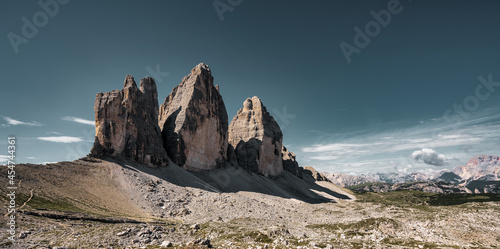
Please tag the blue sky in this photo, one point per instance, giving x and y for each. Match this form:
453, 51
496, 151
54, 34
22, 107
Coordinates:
418, 93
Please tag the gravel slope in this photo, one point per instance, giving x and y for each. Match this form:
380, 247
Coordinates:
229, 207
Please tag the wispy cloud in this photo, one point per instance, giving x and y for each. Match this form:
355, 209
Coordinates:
13, 122
370, 145
62, 139
54, 133
378, 150
79, 120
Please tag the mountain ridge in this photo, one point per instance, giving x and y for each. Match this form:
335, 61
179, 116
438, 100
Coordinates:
480, 175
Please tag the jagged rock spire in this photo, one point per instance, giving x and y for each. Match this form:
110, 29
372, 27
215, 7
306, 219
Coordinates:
194, 122
127, 124
257, 139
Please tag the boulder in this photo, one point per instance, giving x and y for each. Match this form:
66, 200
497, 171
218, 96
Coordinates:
257, 139
194, 122
166, 243
126, 124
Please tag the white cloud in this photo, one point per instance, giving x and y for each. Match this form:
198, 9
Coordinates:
61, 139
373, 149
336, 147
79, 120
324, 158
3, 158
54, 133
14, 122
402, 140
31, 157
429, 156
45, 163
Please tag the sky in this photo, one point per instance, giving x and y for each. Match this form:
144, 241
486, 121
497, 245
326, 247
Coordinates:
356, 86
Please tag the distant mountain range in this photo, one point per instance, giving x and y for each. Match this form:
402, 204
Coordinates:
479, 168
480, 175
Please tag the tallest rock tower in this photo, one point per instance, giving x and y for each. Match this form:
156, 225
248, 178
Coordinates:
194, 122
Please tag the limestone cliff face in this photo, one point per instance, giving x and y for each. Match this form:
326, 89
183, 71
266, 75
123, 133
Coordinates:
257, 139
126, 124
194, 122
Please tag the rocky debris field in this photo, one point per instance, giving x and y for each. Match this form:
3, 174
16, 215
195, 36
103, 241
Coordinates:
128, 206
333, 225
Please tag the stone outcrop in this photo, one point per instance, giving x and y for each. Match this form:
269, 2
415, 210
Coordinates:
126, 123
289, 163
257, 139
194, 122
315, 174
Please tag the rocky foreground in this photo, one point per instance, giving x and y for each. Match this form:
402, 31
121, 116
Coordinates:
92, 203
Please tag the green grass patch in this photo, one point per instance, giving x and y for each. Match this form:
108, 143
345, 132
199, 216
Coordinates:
259, 237
411, 243
458, 199
422, 200
354, 187
298, 242
247, 236
38, 202
357, 228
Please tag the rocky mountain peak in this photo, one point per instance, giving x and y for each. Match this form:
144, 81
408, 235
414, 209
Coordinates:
200, 69
148, 88
257, 139
147, 85
127, 124
194, 122
477, 160
200, 75
248, 105
480, 167
190, 128
129, 82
